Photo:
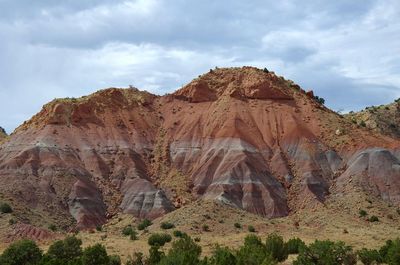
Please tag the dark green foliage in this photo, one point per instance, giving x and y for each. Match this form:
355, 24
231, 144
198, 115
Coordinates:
326, 253
115, 260
130, 231
99, 228
53, 227
251, 229
183, 252
373, 219
294, 245
369, 256
66, 250
136, 260
24, 252
275, 246
12, 221
319, 100
363, 124
159, 239
5, 208
362, 213
178, 233
95, 255
237, 225
265, 70
167, 225
144, 224
390, 252
205, 228
253, 252
155, 255
222, 256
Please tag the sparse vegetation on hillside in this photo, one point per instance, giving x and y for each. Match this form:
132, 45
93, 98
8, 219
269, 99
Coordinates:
5, 208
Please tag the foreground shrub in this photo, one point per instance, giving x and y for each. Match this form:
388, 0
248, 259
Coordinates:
136, 260
66, 250
276, 247
115, 260
391, 252
237, 225
183, 252
362, 213
24, 252
95, 255
294, 245
5, 208
167, 225
159, 239
222, 256
326, 253
253, 252
144, 224
155, 255
369, 256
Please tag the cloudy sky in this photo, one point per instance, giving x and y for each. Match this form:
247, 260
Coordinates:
346, 51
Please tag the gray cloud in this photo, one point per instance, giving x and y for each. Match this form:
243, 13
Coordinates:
347, 51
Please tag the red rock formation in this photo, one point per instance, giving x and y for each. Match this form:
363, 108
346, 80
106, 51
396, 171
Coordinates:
242, 136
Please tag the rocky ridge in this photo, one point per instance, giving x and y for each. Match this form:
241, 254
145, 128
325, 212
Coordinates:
242, 136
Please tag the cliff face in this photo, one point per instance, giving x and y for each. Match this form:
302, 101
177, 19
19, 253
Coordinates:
241, 136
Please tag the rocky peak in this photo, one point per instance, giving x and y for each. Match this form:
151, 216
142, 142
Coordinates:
240, 83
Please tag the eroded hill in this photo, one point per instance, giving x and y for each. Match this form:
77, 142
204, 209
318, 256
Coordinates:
240, 136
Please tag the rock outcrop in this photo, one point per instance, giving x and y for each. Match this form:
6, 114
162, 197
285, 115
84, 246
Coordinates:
241, 136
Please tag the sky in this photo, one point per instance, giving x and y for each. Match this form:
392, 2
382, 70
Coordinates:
348, 52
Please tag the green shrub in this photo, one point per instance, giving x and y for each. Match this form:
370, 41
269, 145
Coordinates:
24, 252
251, 229
319, 100
237, 225
66, 250
222, 256
115, 260
144, 224
180, 234
5, 208
155, 255
183, 252
275, 246
363, 124
95, 255
12, 221
326, 253
373, 218
167, 225
362, 213
253, 251
159, 239
294, 245
130, 231
390, 252
136, 260
99, 228
205, 228
369, 256
53, 227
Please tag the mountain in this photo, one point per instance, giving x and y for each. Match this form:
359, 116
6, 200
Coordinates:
241, 136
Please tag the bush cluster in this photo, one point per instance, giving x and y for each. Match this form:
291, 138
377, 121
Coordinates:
67, 251
5, 208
